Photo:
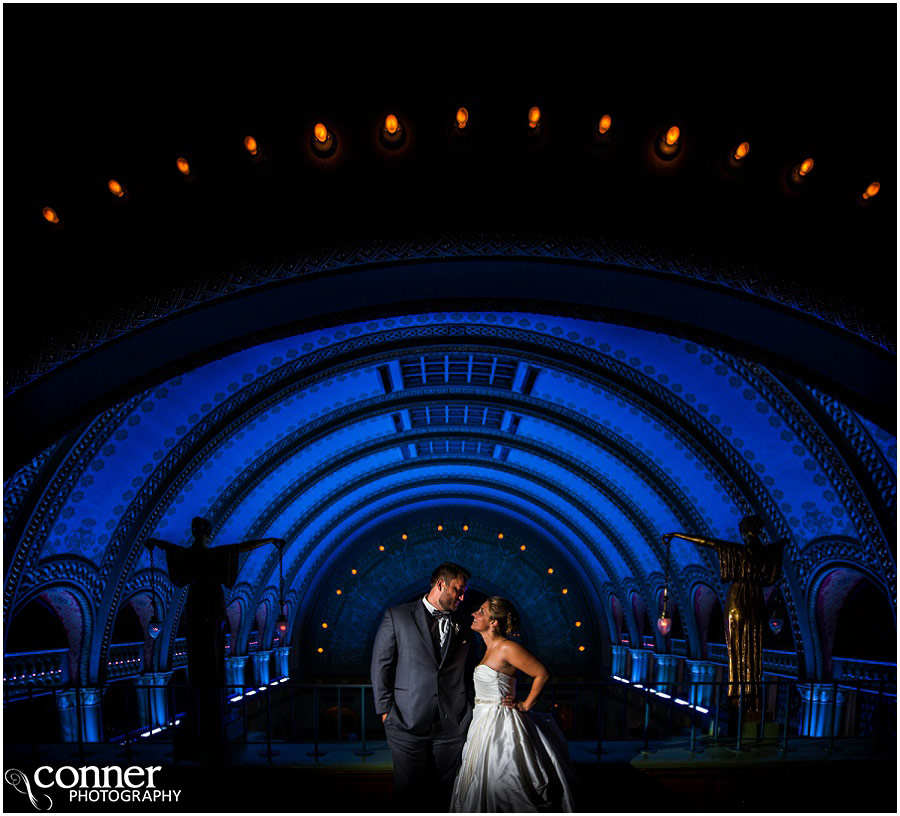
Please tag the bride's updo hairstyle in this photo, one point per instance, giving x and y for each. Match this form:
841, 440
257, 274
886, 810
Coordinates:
505, 614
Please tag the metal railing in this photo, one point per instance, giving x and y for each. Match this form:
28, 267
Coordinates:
318, 715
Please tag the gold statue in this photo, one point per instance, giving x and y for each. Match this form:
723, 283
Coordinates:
749, 566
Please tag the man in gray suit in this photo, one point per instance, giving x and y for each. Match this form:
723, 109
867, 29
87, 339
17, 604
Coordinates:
422, 668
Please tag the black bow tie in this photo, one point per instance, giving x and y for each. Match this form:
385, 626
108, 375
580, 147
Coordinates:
438, 614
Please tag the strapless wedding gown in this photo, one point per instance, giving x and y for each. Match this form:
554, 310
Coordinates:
513, 762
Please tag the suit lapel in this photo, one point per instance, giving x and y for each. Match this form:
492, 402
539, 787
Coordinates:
419, 616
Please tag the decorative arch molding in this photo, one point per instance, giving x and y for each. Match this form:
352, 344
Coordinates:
837, 554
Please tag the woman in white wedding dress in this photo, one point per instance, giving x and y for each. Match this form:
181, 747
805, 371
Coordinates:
512, 762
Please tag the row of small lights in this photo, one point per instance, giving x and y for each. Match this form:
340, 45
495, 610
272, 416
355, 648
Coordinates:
258, 689
392, 136
440, 529
662, 694
32, 675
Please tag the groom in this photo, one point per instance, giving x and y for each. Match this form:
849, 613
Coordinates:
422, 668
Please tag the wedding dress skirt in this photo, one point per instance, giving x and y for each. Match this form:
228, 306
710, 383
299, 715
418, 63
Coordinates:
512, 762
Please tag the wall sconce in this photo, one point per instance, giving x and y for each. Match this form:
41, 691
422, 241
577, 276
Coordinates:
183, 167
534, 118
462, 119
605, 124
251, 146
392, 134
602, 132
50, 215
116, 188
323, 142
668, 145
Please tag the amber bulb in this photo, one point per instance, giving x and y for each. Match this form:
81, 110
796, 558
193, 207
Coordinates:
500, 535
465, 528
581, 648
872, 190
578, 623
339, 592
462, 118
183, 166
324, 625
565, 591
353, 572
605, 123
403, 536
440, 528
115, 188
250, 144
742, 150
522, 548
391, 125
320, 132
534, 117
672, 135
550, 571
381, 548
805, 166
320, 650
50, 214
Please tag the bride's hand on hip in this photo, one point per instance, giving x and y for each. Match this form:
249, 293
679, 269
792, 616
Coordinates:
511, 702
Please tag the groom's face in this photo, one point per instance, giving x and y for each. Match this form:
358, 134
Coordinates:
452, 594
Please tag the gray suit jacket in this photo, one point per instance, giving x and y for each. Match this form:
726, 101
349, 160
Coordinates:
410, 684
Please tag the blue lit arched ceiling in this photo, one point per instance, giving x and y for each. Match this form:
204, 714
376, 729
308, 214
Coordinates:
579, 441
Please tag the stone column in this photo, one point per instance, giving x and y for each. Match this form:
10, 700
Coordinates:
152, 698
666, 672
82, 705
281, 661
619, 653
234, 674
261, 664
817, 709
640, 665
702, 674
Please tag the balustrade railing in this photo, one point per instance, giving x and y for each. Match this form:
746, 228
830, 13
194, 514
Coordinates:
45, 669
869, 672
125, 659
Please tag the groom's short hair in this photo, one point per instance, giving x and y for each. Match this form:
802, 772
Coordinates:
448, 571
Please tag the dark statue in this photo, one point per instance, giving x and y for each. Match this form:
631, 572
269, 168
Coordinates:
204, 569
749, 566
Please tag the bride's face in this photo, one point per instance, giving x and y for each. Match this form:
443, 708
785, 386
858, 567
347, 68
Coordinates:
481, 618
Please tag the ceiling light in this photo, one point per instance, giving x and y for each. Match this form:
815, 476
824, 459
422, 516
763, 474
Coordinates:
871, 190
183, 167
50, 215
462, 118
669, 143
605, 123
323, 142
534, 117
393, 134
741, 151
115, 188
250, 144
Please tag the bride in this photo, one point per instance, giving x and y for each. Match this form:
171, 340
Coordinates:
512, 761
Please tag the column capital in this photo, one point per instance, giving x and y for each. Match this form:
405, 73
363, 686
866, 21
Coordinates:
236, 660
261, 657
153, 678
69, 698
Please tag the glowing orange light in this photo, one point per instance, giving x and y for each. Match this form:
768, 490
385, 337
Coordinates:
353, 572
578, 623
806, 166
465, 528
581, 648
50, 215
115, 188
183, 167
672, 135
391, 125
550, 571
381, 547
324, 625
565, 591
500, 535
250, 144
320, 132
462, 118
320, 650
522, 548
872, 190
605, 123
534, 117
339, 592
440, 528
742, 150
404, 536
